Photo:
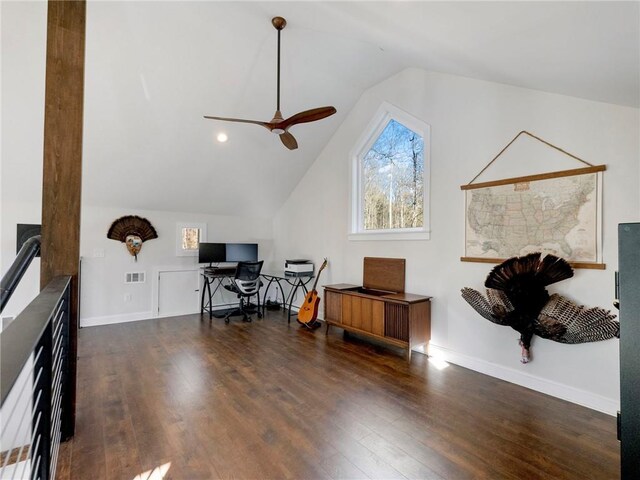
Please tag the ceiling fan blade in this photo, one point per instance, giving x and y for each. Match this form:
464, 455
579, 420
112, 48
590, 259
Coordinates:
307, 116
240, 120
289, 140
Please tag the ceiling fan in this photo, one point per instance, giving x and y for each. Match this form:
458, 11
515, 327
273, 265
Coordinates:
278, 125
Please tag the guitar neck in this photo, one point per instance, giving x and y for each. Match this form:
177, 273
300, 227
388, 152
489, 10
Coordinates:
315, 284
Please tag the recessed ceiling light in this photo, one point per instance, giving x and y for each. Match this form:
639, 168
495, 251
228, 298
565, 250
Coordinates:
222, 137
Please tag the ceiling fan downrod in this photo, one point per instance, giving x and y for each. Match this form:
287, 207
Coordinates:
278, 23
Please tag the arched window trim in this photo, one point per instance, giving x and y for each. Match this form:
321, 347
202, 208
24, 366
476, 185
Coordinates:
383, 116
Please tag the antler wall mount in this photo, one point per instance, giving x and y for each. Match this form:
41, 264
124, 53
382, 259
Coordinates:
279, 125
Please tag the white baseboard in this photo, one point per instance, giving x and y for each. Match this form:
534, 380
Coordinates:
549, 387
110, 319
176, 314
137, 316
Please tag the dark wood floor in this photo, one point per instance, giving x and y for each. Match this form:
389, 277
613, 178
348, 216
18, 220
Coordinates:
268, 400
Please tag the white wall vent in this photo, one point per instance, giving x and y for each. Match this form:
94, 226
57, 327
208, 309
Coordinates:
134, 277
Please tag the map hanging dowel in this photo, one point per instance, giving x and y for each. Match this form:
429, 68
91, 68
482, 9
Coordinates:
532, 178
592, 266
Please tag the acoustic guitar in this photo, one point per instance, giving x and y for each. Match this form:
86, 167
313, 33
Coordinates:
309, 309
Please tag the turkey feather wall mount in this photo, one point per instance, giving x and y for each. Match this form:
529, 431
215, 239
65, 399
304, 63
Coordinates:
517, 297
132, 230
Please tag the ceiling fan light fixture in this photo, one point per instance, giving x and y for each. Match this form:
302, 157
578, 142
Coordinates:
279, 125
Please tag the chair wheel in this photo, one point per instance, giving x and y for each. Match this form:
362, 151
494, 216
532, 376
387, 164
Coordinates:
248, 319
259, 315
226, 320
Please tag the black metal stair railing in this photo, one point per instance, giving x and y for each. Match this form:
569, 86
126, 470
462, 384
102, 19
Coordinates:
34, 385
11, 279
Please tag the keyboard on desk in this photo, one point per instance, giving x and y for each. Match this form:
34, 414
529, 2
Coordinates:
220, 272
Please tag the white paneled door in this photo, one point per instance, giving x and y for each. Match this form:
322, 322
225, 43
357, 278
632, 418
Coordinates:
178, 292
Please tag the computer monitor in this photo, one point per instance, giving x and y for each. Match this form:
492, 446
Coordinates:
212, 252
242, 252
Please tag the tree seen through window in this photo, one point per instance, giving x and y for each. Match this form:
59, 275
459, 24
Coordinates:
190, 238
393, 180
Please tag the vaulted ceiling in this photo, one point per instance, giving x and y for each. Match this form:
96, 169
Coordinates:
153, 69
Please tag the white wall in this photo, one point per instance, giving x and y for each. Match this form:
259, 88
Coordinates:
470, 122
22, 44
102, 296
23, 28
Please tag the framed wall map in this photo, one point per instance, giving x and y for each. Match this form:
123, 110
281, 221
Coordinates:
556, 212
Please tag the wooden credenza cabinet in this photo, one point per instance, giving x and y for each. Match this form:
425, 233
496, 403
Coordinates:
400, 319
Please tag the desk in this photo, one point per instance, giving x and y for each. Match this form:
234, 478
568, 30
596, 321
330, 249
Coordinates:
214, 276
295, 281
217, 276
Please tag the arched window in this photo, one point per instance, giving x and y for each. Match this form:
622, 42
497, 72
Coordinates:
390, 178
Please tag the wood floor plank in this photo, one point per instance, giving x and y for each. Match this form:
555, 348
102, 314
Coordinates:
272, 400
398, 458
340, 468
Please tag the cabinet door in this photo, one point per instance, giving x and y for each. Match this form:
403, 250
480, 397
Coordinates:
356, 312
363, 313
377, 317
346, 309
332, 306
366, 322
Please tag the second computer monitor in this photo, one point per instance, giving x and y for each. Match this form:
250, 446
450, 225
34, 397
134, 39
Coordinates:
242, 252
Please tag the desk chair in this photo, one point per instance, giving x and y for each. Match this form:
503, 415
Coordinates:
246, 284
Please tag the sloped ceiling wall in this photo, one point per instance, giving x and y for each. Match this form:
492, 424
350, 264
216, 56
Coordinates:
153, 71
155, 68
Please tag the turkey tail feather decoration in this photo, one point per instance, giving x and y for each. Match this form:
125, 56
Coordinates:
517, 297
133, 231
533, 268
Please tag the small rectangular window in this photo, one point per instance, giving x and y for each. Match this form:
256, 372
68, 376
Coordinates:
188, 238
